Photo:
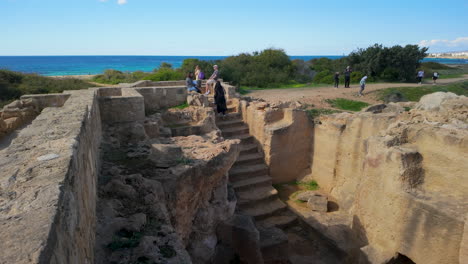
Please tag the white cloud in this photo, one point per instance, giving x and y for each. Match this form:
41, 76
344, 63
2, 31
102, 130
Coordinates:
120, 2
458, 43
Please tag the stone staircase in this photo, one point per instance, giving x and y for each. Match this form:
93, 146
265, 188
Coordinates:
249, 177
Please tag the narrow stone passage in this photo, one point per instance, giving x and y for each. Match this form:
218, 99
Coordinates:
257, 197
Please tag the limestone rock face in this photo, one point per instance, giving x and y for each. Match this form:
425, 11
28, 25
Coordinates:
399, 179
434, 100
166, 155
285, 134
197, 99
162, 198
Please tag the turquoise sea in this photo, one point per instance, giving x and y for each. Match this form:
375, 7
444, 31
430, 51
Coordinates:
81, 65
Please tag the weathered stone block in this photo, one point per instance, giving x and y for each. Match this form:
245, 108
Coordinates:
13, 123
197, 99
240, 233
165, 155
318, 203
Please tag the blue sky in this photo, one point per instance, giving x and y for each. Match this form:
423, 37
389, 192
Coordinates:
179, 27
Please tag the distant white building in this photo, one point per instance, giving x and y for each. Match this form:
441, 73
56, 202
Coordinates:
449, 54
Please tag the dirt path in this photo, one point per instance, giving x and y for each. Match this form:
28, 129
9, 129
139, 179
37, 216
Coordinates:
317, 95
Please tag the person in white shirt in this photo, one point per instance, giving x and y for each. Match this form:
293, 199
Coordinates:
420, 76
435, 76
363, 85
212, 80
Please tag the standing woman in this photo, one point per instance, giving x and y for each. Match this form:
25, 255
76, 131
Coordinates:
220, 99
199, 76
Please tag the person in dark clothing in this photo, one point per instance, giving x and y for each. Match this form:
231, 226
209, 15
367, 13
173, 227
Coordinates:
347, 77
337, 79
220, 99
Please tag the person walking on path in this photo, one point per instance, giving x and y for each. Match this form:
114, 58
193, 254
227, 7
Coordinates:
199, 76
347, 77
212, 80
363, 85
220, 99
337, 79
420, 76
435, 76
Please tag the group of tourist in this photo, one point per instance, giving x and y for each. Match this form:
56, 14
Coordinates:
420, 76
196, 86
347, 79
199, 75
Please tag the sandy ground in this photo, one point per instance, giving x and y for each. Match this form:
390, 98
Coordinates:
316, 95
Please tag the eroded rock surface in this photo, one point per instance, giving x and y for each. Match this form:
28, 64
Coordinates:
161, 198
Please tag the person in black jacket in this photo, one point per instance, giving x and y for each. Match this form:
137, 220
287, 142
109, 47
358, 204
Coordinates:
337, 79
220, 99
347, 77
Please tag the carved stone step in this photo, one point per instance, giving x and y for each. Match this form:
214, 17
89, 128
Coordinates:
250, 198
248, 149
280, 221
264, 210
247, 171
235, 131
228, 124
252, 183
245, 138
249, 159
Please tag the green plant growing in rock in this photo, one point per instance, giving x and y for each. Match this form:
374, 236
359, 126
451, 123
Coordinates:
308, 185
181, 106
346, 104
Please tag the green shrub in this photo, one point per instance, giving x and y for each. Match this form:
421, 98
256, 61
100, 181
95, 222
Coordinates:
14, 84
302, 71
188, 65
346, 104
323, 76
268, 68
165, 74
115, 77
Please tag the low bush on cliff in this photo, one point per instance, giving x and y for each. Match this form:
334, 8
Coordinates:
14, 84
115, 77
267, 68
346, 104
415, 93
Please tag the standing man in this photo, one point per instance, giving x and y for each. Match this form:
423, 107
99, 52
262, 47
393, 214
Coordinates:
420, 76
347, 77
363, 85
212, 80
